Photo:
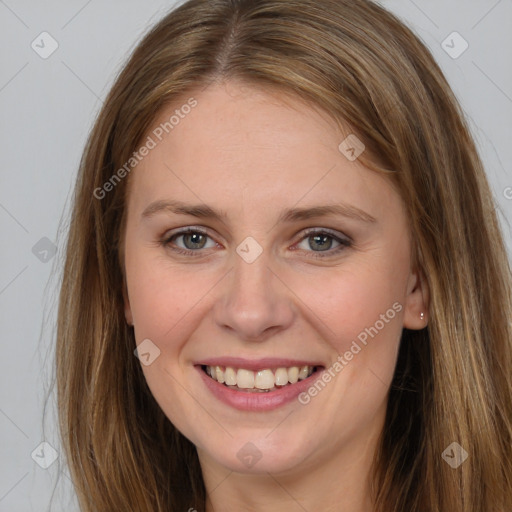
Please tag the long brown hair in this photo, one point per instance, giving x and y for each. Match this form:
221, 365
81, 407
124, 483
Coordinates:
361, 65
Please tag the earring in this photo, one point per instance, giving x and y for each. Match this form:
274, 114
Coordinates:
422, 316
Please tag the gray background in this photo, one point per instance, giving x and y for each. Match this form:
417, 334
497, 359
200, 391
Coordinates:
47, 109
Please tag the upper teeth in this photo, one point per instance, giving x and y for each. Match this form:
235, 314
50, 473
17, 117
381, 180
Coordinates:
262, 379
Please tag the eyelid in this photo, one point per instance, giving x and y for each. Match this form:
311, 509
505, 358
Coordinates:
327, 231
344, 240
169, 235
302, 233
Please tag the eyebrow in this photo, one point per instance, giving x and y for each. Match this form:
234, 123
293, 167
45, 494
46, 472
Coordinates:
290, 215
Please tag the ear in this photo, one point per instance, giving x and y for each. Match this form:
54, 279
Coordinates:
417, 301
127, 309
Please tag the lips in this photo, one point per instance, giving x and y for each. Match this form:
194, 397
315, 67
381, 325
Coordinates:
257, 364
257, 385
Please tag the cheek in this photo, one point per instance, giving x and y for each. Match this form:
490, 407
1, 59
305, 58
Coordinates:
348, 302
162, 295
360, 307
165, 303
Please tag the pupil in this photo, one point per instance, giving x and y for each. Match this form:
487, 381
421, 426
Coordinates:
322, 240
195, 237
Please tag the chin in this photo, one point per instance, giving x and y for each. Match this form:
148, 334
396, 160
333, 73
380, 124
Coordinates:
258, 454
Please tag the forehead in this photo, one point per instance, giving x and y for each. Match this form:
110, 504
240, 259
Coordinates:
240, 143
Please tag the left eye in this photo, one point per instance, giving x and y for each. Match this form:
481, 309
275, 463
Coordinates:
322, 241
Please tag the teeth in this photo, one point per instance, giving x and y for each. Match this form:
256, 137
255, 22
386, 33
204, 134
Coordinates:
293, 374
303, 372
245, 379
281, 377
230, 376
263, 379
219, 374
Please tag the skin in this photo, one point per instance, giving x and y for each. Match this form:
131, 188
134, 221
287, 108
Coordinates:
252, 153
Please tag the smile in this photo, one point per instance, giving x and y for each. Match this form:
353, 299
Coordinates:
257, 386
262, 381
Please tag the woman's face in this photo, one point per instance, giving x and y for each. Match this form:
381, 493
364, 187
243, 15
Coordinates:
269, 284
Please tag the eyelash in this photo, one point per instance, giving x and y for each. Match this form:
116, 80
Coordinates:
344, 242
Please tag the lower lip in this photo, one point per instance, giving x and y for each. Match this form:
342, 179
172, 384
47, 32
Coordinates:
247, 401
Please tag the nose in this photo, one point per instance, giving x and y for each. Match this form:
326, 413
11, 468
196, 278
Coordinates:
254, 304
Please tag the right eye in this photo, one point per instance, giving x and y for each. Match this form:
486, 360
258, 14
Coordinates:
193, 239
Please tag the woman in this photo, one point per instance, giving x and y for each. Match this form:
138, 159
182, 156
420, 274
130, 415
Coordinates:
280, 211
